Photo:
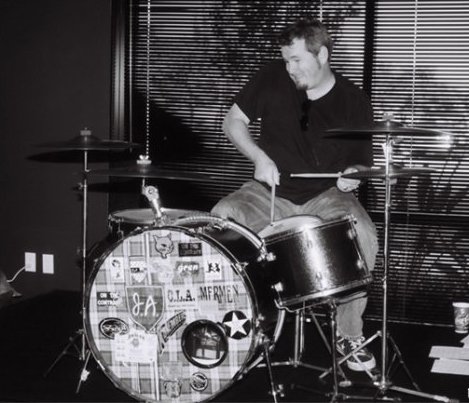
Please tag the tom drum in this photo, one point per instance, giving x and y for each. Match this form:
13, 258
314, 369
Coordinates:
314, 259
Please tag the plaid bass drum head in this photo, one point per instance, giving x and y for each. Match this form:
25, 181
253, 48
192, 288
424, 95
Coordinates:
171, 315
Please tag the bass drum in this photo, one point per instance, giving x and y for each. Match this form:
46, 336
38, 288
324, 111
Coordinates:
172, 313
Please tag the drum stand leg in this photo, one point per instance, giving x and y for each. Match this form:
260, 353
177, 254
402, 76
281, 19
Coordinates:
335, 395
83, 353
299, 350
66, 351
266, 352
299, 342
84, 372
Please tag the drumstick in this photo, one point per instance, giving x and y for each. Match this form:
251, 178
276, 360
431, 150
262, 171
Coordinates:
316, 175
272, 203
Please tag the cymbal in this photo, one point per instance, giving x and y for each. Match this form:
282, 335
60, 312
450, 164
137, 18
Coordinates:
150, 171
394, 172
387, 127
90, 142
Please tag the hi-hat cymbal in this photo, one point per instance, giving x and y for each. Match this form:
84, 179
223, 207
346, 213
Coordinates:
394, 172
387, 127
89, 142
149, 171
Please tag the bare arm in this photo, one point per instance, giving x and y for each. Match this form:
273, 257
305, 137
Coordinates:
236, 128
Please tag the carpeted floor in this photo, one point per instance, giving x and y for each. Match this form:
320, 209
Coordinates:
35, 331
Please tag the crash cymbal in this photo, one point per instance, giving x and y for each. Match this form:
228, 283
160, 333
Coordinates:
150, 171
394, 172
88, 142
386, 127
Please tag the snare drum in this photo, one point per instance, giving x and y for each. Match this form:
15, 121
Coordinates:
173, 313
314, 259
123, 222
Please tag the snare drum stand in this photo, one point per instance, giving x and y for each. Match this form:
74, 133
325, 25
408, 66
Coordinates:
299, 341
78, 341
336, 369
298, 349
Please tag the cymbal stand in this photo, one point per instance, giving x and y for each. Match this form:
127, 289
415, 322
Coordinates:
384, 383
78, 341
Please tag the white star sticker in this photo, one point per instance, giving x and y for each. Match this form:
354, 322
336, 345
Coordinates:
236, 324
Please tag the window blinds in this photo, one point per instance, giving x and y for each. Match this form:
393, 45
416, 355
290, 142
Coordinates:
185, 60
421, 76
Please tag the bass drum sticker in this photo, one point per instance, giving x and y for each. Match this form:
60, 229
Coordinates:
110, 327
204, 344
199, 381
237, 325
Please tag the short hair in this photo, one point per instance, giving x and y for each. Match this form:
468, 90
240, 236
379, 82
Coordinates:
313, 31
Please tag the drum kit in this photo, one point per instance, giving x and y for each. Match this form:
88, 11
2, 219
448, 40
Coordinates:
177, 305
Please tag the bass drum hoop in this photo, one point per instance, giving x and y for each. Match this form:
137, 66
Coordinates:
122, 222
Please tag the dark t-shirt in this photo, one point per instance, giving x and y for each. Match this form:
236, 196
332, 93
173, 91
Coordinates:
293, 128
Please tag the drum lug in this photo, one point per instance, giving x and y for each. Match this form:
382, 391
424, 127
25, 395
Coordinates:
360, 264
351, 233
197, 230
241, 266
259, 321
266, 257
278, 287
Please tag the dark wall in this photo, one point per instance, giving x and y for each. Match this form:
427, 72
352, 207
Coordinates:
55, 79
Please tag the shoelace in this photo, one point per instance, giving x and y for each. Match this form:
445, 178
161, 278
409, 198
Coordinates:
356, 342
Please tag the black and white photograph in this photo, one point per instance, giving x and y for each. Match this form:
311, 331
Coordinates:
234, 201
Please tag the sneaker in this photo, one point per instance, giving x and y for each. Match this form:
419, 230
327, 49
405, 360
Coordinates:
362, 359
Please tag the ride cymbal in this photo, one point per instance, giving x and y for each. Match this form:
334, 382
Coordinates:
387, 127
394, 172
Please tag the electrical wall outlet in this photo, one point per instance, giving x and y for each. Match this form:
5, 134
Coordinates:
30, 261
47, 263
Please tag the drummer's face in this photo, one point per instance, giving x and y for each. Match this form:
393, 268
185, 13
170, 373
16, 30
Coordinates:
305, 69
